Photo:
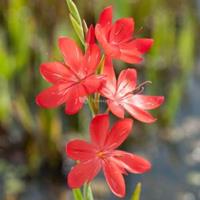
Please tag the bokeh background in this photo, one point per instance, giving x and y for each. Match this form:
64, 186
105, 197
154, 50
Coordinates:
33, 164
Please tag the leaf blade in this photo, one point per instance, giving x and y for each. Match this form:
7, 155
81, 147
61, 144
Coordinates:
78, 29
137, 192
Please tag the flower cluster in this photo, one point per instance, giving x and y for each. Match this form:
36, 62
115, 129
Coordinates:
92, 74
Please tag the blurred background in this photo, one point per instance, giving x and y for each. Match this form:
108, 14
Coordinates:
33, 164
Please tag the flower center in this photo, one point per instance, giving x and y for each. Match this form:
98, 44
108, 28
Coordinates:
101, 154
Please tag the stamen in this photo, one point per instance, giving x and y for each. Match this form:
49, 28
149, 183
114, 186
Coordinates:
139, 31
100, 154
140, 88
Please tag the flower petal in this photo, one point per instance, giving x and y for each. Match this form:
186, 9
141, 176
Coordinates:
147, 102
52, 96
76, 97
118, 133
129, 54
80, 150
91, 59
106, 16
83, 172
141, 44
92, 84
74, 105
114, 178
102, 34
109, 70
116, 108
138, 113
99, 128
133, 58
56, 72
109, 88
72, 53
126, 82
122, 30
90, 36
132, 163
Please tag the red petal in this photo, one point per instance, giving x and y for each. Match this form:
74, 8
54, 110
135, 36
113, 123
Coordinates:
99, 128
126, 82
93, 84
132, 163
114, 178
77, 93
118, 133
109, 88
106, 16
83, 173
56, 72
91, 59
80, 150
72, 54
109, 70
141, 44
90, 37
75, 99
52, 96
129, 54
102, 34
116, 108
138, 113
147, 102
130, 58
122, 30
74, 105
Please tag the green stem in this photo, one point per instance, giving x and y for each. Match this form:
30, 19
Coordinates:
90, 104
87, 192
100, 71
77, 194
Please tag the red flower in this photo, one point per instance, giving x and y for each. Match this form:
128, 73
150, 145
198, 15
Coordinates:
122, 95
73, 80
100, 154
117, 40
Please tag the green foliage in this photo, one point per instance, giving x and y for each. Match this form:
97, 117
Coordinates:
77, 194
87, 192
5, 101
137, 192
76, 20
186, 43
20, 30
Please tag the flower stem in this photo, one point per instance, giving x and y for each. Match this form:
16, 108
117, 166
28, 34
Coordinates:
77, 194
100, 71
91, 107
87, 192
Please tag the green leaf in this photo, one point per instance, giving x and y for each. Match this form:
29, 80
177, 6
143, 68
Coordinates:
23, 113
77, 194
74, 11
78, 29
76, 20
20, 30
5, 101
137, 192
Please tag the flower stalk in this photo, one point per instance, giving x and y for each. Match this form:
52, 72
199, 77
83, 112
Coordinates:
90, 75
